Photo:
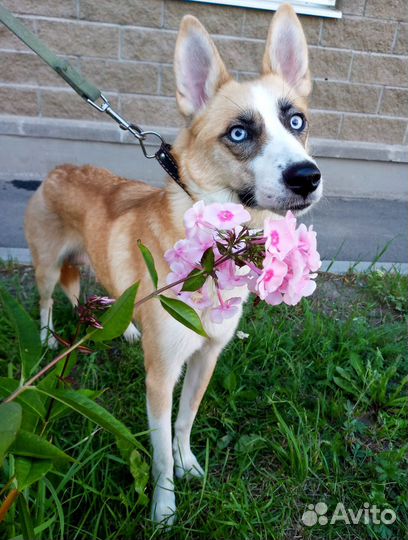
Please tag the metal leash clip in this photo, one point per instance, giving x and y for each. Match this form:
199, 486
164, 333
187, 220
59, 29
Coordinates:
135, 130
143, 141
162, 155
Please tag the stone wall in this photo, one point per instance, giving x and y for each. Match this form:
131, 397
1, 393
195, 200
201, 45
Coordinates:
359, 63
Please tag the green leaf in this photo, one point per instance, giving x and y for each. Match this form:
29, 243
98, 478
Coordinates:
25, 518
51, 379
39, 529
58, 506
26, 331
10, 422
148, 259
32, 445
29, 399
357, 363
118, 317
29, 421
93, 411
346, 385
183, 313
60, 410
230, 381
195, 280
140, 472
345, 374
29, 471
208, 260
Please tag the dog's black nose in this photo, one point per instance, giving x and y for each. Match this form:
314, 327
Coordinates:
302, 178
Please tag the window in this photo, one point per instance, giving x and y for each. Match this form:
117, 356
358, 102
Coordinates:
320, 8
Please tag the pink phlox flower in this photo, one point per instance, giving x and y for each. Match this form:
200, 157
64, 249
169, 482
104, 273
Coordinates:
194, 217
180, 272
280, 235
272, 275
197, 228
227, 276
225, 310
205, 237
298, 282
250, 281
226, 216
294, 293
308, 247
201, 299
274, 298
184, 251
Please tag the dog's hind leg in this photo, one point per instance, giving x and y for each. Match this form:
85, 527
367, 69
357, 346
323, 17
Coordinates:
48, 241
47, 277
200, 368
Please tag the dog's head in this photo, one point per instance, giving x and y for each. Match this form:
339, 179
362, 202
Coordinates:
247, 141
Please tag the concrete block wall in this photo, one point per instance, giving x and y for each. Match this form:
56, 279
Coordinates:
359, 63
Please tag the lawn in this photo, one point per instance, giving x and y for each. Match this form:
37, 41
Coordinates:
309, 407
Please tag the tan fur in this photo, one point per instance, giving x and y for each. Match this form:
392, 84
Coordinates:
70, 281
89, 211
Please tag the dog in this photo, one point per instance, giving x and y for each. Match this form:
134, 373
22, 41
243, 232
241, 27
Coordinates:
244, 142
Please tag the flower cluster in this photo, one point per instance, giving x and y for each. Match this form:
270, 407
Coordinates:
86, 312
289, 265
220, 253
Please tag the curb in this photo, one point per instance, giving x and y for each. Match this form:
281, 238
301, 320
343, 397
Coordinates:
23, 256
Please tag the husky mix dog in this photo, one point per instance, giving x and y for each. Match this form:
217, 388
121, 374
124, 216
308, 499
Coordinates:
244, 142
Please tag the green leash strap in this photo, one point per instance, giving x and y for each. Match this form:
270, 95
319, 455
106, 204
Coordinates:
91, 94
64, 69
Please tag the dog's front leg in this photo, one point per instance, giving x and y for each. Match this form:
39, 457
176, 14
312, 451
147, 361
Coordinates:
200, 368
159, 403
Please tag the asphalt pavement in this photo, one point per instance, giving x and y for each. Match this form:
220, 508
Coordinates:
348, 229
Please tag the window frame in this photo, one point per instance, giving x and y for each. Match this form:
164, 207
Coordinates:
318, 8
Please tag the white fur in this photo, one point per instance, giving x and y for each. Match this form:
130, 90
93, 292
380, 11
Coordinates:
281, 150
132, 334
178, 344
47, 326
164, 501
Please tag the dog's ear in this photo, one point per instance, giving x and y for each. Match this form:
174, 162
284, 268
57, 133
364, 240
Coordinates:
198, 67
286, 50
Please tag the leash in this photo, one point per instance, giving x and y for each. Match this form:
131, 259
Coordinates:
92, 95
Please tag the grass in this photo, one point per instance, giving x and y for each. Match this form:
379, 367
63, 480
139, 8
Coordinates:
310, 407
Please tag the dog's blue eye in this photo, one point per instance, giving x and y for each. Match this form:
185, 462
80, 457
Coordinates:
238, 134
297, 122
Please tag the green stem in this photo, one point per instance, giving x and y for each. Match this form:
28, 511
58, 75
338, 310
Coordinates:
182, 280
46, 368
66, 353
162, 289
64, 367
5, 488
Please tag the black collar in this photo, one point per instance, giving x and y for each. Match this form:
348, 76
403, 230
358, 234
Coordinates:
169, 164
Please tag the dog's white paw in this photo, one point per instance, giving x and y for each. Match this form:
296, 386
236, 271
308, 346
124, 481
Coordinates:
132, 334
52, 343
48, 340
186, 464
163, 507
